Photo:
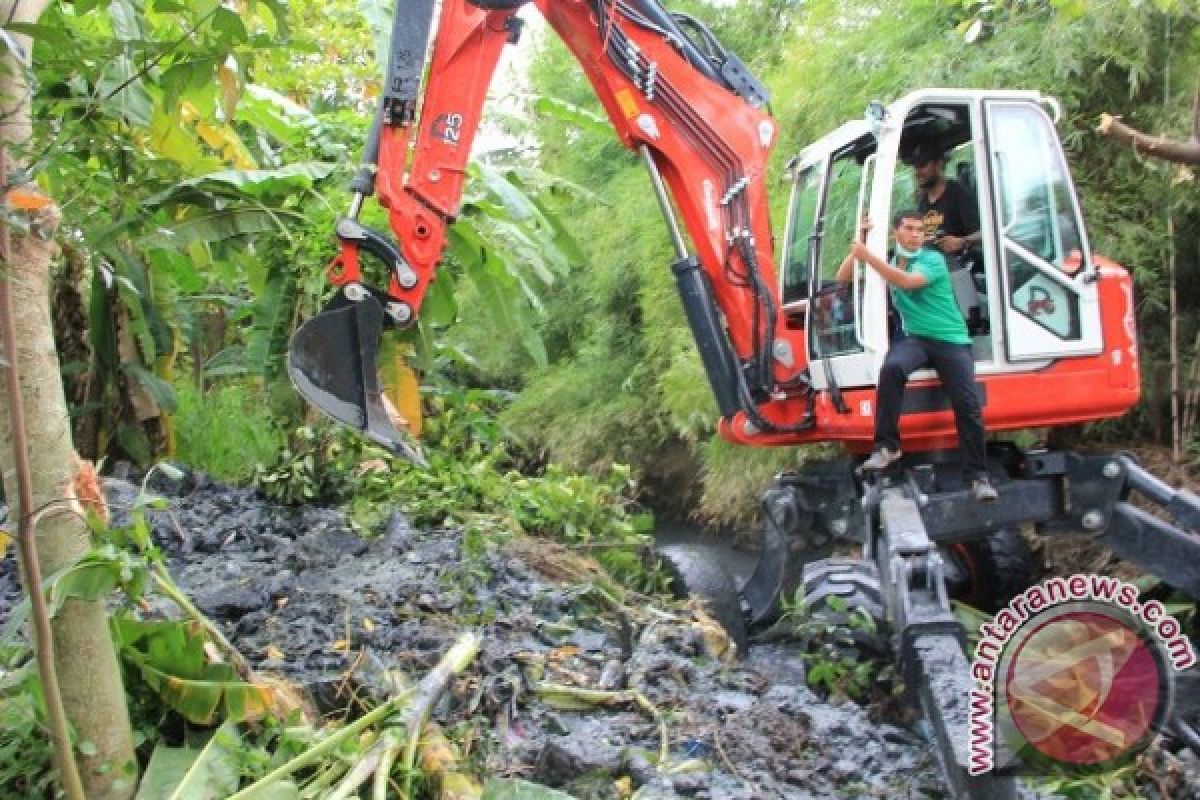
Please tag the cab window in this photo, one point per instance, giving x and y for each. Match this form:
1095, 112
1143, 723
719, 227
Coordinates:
804, 216
833, 315
1039, 223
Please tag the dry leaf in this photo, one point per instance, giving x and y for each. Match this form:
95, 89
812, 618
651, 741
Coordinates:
371, 465
85, 488
5, 538
564, 652
230, 92
369, 624
340, 646
26, 199
274, 653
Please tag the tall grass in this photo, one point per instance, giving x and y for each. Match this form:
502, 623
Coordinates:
226, 430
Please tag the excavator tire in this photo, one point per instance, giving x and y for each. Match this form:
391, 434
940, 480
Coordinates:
997, 568
696, 573
856, 583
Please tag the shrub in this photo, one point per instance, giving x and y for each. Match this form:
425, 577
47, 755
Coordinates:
227, 430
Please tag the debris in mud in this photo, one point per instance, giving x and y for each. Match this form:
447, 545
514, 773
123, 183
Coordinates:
575, 685
302, 596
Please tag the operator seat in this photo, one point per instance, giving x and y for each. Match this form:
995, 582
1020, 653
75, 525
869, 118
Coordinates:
967, 275
964, 173
970, 302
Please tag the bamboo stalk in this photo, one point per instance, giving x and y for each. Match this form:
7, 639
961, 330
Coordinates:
391, 748
318, 751
1191, 393
429, 691
26, 543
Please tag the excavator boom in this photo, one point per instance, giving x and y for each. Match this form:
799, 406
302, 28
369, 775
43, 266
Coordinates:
690, 109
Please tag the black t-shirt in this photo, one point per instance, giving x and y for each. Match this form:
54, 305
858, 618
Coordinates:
954, 213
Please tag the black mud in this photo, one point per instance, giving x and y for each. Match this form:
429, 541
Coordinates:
304, 597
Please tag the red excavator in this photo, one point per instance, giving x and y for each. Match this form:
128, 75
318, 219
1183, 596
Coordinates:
791, 354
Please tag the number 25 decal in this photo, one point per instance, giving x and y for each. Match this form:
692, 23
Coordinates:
448, 128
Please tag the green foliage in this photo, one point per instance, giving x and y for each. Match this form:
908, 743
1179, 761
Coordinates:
226, 430
293, 476
735, 477
170, 657
1119, 783
26, 756
163, 186
835, 665
181, 773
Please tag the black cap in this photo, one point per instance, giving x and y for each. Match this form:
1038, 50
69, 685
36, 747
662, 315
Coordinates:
923, 153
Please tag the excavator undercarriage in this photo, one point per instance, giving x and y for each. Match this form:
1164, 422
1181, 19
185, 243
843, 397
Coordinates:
899, 529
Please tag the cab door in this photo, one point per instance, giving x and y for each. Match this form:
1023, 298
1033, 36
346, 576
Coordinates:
835, 320
1050, 296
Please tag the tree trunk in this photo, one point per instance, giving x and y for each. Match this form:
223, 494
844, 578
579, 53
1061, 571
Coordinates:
89, 675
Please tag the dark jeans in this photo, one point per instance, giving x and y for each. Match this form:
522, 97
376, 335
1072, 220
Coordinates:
956, 367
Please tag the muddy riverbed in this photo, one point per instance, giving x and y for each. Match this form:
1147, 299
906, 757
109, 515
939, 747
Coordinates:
303, 596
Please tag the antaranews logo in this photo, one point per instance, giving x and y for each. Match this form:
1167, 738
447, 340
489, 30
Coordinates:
1075, 673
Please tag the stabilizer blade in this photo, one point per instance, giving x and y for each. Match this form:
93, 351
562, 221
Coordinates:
332, 363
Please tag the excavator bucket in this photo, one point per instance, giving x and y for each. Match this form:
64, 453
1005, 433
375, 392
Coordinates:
332, 362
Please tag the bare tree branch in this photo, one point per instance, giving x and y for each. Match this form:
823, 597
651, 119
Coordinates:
1174, 150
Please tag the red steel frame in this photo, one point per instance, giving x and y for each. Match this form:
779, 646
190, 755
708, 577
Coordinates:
422, 168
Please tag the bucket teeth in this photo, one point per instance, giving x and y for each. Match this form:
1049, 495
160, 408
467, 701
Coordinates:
332, 363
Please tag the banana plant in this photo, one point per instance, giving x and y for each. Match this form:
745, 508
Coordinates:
204, 203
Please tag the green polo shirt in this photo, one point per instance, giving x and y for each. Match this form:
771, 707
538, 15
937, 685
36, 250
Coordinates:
931, 311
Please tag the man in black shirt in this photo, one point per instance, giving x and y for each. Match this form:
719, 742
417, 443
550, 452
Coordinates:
949, 209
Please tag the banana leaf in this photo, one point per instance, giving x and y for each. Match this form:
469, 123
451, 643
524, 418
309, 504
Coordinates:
171, 659
190, 773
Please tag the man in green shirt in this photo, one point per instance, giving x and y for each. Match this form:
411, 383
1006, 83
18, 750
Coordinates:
934, 335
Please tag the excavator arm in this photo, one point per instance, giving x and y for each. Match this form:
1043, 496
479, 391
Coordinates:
675, 96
